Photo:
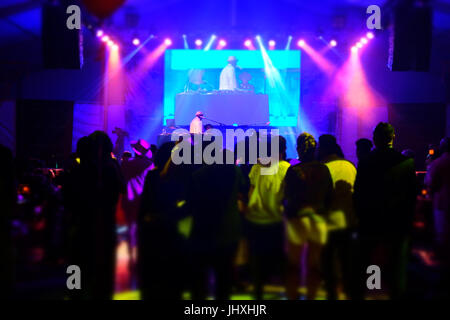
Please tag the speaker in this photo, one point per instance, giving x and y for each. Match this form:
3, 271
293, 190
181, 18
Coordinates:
44, 129
411, 37
62, 47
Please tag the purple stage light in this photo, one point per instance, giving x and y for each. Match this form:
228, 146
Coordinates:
105, 38
115, 47
136, 41
222, 43
301, 43
168, 42
370, 35
271, 43
363, 40
247, 43
99, 33
110, 43
354, 49
333, 43
198, 42
359, 45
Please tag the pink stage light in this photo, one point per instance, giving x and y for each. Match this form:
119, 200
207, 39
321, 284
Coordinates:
370, 35
110, 43
222, 43
136, 41
99, 33
105, 38
198, 42
359, 45
248, 43
301, 43
354, 49
363, 40
168, 42
271, 43
333, 43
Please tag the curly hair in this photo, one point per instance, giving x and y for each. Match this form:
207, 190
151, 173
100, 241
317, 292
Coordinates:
306, 145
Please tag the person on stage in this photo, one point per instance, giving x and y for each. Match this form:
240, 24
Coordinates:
228, 75
196, 123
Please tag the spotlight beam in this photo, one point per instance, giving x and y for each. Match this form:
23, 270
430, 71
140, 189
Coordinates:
288, 44
135, 51
185, 42
323, 64
210, 42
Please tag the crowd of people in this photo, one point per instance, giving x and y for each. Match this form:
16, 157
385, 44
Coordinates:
316, 222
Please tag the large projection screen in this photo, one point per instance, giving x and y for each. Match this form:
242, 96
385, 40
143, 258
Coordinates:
275, 73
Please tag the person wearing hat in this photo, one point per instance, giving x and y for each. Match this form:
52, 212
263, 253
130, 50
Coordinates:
196, 123
228, 75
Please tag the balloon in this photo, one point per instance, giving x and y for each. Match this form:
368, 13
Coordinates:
102, 8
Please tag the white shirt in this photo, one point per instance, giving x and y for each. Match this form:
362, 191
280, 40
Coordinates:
196, 125
228, 78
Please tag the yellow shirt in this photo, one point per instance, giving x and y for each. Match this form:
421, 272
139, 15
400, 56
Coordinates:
265, 201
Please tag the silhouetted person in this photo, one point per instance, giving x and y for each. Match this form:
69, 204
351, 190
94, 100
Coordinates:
92, 192
7, 203
363, 148
438, 181
341, 221
384, 196
161, 244
216, 229
307, 197
134, 171
263, 219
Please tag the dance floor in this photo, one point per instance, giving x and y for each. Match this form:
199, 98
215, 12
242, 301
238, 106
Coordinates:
125, 292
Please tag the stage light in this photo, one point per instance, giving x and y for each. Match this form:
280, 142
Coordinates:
167, 42
222, 43
115, 47
333, 43
247, 43
271, 43
354, 49
105, 38
370, 35
136, 41
110, 43
363, 40
301, 43
359, 45
99, 33
198, 42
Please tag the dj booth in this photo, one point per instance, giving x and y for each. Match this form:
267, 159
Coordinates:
228, 108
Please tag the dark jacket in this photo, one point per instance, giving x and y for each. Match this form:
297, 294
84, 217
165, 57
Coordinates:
385, 193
